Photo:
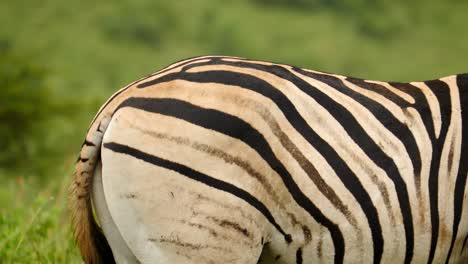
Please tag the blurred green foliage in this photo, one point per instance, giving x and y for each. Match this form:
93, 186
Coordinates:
61, 60
25, 102
29, 112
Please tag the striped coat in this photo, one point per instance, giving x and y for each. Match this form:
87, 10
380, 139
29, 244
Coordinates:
229, 160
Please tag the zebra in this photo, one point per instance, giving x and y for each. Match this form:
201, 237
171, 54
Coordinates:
218, 159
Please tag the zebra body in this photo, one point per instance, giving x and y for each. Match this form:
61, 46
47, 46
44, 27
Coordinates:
229, 160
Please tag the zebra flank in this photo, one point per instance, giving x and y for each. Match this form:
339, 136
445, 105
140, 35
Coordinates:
229, 160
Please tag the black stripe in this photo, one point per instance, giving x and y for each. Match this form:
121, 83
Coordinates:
165, 69
237, 128
299, 256
342, 170
188, 61
197, 176
379, 89
462, 248
462, 83
88, 143
442, 92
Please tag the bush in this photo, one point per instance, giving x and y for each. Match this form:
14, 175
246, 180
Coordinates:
25, 101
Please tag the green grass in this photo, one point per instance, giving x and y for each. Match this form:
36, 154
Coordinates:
34, 227
90, 49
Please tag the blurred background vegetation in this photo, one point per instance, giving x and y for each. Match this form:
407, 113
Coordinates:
60, 60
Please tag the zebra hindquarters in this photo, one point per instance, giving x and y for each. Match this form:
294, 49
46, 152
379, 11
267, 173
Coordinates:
170, 202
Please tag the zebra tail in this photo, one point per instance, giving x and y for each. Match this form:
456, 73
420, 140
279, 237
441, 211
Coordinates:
88, 235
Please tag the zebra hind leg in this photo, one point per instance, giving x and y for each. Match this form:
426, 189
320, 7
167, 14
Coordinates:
120, 250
